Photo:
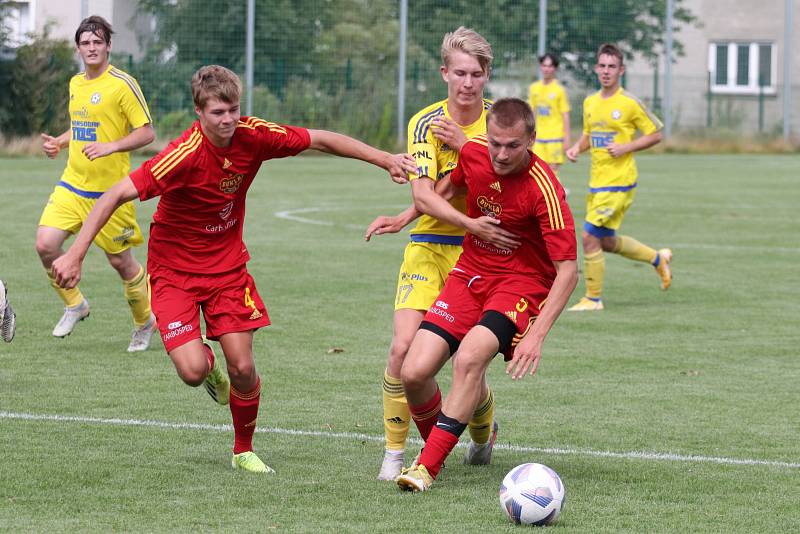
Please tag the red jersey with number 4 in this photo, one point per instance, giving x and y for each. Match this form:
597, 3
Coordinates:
531, 204
197, 226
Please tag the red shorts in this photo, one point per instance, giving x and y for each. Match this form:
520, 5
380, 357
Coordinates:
230, 303
466, 298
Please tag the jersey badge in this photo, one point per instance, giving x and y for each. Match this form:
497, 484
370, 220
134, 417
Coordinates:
496, 186
489, 208
227, 163
95, 98
616, 114
230, 183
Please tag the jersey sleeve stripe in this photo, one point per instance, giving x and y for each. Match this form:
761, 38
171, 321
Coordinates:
424, 122
550, 197
252, 123
180, 152
479, 139
134, 89
650, 115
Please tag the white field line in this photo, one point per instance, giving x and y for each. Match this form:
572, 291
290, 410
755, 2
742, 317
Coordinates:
295, 215
631, 455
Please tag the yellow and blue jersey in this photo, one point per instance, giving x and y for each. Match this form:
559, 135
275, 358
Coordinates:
615, 120
102, 109
549, 103
436, 160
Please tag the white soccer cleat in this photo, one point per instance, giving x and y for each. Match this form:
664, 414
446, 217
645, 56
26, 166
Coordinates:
392, 465
140, 339
71, 317
8, 319
481, 453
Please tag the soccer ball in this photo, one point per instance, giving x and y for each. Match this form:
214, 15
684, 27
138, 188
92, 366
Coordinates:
532, 494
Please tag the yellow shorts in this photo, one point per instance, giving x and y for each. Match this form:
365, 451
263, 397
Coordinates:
552, 152
66, 210
422, 274
607, 208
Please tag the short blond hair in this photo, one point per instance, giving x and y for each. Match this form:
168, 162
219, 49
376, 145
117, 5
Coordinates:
470, 42
215, 81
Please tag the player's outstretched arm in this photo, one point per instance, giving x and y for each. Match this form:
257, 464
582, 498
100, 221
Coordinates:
581, 145
397, 165
391, 224
529, 350
67, 268
142, 136
53, 145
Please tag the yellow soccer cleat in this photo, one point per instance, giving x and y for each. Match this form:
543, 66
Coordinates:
587, 304
415, 479
248, 461
663, 268
216, 383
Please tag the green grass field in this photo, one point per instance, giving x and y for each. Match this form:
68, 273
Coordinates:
667, 412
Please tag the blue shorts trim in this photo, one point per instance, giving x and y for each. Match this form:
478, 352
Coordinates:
598, 231
561, 140
612, 189
439, 239
80, 192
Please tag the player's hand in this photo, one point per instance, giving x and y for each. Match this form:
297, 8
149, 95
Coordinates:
67, 271
526, 357
50, 146
618, 149
384, 224
488, 229
98, 150
572, 153
399, 166
447, 131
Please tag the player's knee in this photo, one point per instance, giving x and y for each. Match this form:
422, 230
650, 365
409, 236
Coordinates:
413, 378
397, 352
191, 376
609, 244
469, 363
46, 251
241, 370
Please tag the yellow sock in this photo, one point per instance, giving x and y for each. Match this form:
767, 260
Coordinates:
634, 250
138, 297
594, 271
71, 297
396, 416
480, 426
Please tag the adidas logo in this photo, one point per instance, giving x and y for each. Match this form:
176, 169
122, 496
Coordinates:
512, 315
496, 187
395, 420
227, 163
255, 315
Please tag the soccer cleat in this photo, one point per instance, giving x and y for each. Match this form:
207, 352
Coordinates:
414, 479
140, 339
71, 317
248, 461
481, 453
216, 383
8, 319
391, 466
587, 304
663, 269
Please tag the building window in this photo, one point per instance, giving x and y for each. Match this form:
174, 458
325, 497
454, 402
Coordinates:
18, 21
742, 68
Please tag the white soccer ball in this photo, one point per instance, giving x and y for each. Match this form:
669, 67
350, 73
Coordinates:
532, 494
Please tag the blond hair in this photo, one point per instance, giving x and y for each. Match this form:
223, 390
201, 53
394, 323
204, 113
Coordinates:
214, 81
470, 42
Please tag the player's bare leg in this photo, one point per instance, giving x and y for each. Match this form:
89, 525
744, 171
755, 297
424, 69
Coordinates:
245, 397
49, 246
396, 416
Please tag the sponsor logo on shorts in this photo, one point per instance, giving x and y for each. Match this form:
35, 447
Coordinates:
487, 207
417, 276
126, 234
230, 183
512, 315
178, 330
442, 304
443, 314
174, 325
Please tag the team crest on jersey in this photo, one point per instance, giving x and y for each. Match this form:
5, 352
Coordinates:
95, 98
487, 207
231, 183
616, 114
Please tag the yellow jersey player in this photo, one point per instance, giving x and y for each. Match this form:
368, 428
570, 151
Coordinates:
435, 136
108, 118
611, 117
549, 102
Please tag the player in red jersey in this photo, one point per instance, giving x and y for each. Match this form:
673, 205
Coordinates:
196, 256
495, 299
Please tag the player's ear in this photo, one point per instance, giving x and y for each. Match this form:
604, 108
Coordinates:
443, 71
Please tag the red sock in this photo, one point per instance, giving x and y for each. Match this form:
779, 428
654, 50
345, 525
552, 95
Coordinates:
437, 447
244, 411
425, 415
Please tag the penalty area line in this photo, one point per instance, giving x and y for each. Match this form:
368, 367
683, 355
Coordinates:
630, 455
